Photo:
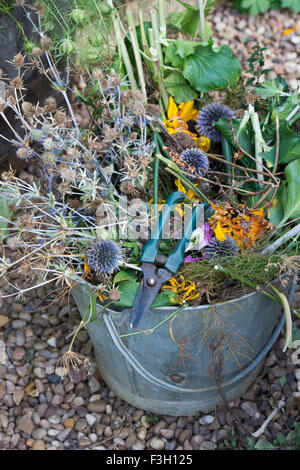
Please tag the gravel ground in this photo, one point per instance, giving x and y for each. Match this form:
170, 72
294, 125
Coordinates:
38, 411
241, 32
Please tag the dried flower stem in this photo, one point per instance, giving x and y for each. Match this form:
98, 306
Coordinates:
201, 18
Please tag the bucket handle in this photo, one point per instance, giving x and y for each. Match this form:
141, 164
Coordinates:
161, 383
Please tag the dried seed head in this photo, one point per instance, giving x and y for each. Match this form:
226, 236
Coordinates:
12, 100
184, 140
72, 153
50, 104
88, 157
8, 176
46, 129
36, 51
63, 188
36, 134
46, 43
48, 144
24, 152
127, 187
68, 175
28, 109
49, 158
137, 109
153, 110
98, 74
110, 134
115, 80
17, 83
133, 173
18, 60
2, 105
114, 295
40, 8
13, 243
137, 95
60, 118
144, 161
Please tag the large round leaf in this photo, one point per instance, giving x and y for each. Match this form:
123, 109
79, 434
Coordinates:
210, 69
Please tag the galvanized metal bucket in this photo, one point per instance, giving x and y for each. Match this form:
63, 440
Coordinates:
187, 363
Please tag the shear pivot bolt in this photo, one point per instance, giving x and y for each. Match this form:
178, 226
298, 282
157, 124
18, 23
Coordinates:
151, 282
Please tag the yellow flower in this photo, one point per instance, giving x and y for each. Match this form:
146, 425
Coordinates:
178, 117
190, 194
160, 203
184, 290
219, 233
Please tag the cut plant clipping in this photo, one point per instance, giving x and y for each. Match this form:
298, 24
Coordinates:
165, 198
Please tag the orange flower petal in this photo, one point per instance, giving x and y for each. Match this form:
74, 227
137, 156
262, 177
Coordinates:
288, 31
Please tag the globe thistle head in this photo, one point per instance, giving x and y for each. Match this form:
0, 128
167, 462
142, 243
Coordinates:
221, 248
104, 257
194, 161
210, 114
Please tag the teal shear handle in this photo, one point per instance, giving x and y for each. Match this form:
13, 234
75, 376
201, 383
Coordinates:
177, 257
151, 248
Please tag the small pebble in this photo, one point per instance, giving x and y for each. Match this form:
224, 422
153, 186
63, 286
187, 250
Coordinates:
156, 443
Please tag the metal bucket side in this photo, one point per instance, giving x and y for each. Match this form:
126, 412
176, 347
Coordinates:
150, 372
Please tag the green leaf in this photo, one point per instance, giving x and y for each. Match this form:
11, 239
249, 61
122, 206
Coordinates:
6, 213
244, 137
188, 21
282, 381
276, 211
124, 275
285, 109
209, 4
177, 51
269, 89
290, 191
263, 444
256, 6
295, 332
289, 147
179, 88
128, 291
209, 68
292, 4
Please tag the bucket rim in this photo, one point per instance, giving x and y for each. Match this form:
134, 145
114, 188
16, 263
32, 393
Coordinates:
170, 308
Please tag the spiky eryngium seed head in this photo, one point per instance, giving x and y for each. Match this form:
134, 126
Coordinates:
48, 144
36, 134
24, 152
210, 114
221, 249
104, 257
195, 159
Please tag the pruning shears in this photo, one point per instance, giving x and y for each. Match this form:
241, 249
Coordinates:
157, 268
